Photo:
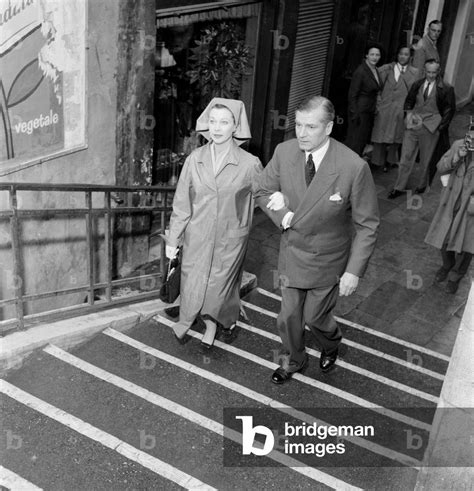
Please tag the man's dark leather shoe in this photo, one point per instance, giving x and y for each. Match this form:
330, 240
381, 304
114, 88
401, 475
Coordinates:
280, 375
451, 286
441, 275
420, 190
394, 193
326, 362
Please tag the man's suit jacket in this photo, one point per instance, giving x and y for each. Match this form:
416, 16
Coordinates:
445, 101
336, 218
424, 50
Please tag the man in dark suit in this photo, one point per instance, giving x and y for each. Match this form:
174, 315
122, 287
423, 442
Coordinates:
430, 106
321, 194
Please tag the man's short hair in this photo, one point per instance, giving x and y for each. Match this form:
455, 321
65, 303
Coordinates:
430, 61
316, 102
435, 22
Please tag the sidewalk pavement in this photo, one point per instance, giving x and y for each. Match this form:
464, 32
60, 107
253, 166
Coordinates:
397, 295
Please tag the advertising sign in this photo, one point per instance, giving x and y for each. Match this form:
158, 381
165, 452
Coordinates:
42, 80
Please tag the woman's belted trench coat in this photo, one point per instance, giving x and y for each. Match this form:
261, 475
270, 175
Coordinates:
211, 218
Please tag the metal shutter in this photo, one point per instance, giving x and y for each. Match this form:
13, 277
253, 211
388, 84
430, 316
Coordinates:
311, 50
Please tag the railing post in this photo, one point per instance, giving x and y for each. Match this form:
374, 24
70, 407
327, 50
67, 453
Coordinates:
17, 265
163, 247
90, 247
108, 245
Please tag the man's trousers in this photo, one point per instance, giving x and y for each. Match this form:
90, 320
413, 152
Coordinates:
413, 140
314, 308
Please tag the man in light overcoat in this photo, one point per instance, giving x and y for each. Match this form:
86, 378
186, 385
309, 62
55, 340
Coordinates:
452, 228
322, 196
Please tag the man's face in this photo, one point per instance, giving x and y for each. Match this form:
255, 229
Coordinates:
403, 56
434, 31
431, 71
311, 130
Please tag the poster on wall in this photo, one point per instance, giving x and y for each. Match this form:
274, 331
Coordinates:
42, 80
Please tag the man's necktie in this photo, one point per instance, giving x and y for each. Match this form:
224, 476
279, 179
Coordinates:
403, 69
425, 93
310, 171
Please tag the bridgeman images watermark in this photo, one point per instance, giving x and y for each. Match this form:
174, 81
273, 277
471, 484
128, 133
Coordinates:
346, 437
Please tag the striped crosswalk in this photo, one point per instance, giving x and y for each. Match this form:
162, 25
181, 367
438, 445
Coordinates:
182, 388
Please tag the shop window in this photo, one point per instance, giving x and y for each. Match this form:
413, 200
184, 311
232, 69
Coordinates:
198, 57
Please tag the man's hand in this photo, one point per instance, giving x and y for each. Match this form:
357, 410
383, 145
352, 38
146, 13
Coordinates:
277, 201
348, 284
171, 251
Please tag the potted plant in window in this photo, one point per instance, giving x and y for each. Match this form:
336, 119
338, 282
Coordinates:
219, 61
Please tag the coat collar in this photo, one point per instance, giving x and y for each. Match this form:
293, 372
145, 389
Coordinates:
204, 156
204, 159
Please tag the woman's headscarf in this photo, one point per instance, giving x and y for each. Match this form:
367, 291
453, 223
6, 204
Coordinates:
237, 108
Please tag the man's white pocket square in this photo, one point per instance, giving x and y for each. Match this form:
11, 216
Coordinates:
336, 197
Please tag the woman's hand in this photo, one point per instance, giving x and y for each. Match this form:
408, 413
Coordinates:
277, 201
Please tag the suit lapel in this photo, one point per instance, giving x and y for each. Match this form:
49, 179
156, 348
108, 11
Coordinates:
299, 182
371, 75
322, 181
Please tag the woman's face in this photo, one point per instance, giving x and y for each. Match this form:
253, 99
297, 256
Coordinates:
403, 56
373, 56
221, 125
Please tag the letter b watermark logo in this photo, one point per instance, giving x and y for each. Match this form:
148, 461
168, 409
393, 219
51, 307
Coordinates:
248, 437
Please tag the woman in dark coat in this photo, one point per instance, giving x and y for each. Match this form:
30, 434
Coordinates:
362, 99
452, 228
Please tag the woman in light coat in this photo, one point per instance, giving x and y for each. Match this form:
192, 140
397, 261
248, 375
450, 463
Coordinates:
387, 135
452, 228
212, 214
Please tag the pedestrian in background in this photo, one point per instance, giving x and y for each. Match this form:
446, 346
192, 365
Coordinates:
212, 214
396, 80
426, 49
430, 106
452, 228
362, 99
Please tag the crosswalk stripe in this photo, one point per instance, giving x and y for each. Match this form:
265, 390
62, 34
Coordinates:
350, 366
13, 481
368, 330
256, 396
155, 465
361, 347
315, 383
190, 415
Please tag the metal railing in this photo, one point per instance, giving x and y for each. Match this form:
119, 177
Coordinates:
154, 201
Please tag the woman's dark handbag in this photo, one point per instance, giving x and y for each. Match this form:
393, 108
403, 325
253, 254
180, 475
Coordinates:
169, 290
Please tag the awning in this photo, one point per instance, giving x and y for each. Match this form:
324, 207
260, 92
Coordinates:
178, 18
